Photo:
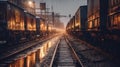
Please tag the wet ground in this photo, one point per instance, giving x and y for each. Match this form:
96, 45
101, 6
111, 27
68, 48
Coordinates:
40, 53
31, 55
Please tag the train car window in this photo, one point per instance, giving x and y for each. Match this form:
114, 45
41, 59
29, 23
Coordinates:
31, 23
15, 18
18, 20
97, 14
10, 17
98, 22
95, 23
42, 25
34, 24
28, 22
119, 20
115, 21
90, 24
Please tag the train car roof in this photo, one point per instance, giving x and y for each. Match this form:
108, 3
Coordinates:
7, 2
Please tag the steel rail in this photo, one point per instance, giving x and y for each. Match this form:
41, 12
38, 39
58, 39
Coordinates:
53, 57
76, 56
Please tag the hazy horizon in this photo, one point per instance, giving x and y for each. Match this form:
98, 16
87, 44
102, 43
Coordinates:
63, 7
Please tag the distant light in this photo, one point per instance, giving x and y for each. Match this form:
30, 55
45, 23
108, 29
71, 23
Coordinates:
30, 2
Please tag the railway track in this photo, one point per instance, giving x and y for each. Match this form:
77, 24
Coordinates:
23, 52
69, 53
64, 55
66, 52
6, 53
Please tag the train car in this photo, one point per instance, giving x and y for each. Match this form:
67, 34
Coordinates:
77, 25
102, 28
11, 23
41, 27
93, 14
97, 14
97, 19
80, 18
80, 22
114, 20
30, 25
68, 28
103, 19
103, 24
17, 25
71, 26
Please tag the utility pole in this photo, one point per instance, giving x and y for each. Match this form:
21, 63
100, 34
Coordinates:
52, 15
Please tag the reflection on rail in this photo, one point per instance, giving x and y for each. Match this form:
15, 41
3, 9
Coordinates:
34, 58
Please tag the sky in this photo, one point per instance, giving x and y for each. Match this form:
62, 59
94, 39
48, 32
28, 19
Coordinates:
63, 7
